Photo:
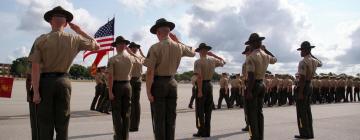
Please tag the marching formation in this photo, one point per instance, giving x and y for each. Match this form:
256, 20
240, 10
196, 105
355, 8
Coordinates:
118, 85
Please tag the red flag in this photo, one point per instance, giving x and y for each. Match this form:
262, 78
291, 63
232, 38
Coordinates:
6, 84
97, 60
105, 37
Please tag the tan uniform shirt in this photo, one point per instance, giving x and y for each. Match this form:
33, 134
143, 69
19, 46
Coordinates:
342, 83
137, 67
324, 83
274, 82
307, 67
164, 57
120, 66
235, 83
315, 83
288, 84
280, 84
206, 67
98, 78
258, 62
224, 82
349, 83
56, 50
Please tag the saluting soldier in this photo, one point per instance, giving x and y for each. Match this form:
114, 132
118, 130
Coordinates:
193, 90
205, 68
349, 88
55, 51
119, 75
135, 83
224, 91
256, 66
307, 68
162, 62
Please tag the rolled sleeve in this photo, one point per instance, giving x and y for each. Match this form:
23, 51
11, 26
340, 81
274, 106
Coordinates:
187, 51
86, 44
150, 59
273, 60
218, 63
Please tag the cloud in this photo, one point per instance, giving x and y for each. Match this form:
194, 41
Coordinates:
227, 25
352, 53
18, 52
32, 20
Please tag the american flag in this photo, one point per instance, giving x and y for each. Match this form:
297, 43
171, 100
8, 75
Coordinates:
104, 36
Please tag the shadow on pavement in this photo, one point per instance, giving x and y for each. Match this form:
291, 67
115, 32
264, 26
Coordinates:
217, 137
88, 136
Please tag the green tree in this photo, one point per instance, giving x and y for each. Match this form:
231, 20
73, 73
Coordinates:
78, 71
19, 67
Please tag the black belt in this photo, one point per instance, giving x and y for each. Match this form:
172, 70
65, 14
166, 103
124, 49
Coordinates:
206, 81
163, 77
135, 78
121, 82
53, 74
258, 80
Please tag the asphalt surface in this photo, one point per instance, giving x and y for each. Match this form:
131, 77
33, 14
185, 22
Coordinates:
331, 121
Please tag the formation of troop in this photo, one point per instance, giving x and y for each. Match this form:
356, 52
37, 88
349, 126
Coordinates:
118, 85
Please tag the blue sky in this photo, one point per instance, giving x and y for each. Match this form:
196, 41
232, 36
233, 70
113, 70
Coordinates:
332, 26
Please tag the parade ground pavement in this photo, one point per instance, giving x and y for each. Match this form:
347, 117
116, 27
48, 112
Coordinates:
339, 121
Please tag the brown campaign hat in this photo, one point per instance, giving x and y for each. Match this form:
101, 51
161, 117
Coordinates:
120, 39
305, 45
203, 46
58, 10
161, 23
254, 37
134, 45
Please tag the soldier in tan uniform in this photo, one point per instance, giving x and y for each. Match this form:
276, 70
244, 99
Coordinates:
99, 88
235, 90
120, 92
266, 83
288, 88
246, 52
224, 91
356, 88
332, 88
162, 62
281, 91
349, 89
135, 83
55, 52
307, 69
256, 66
194, 88
274, 89
316, 92
205, 68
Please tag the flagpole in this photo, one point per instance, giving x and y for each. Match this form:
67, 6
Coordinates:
113, 52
